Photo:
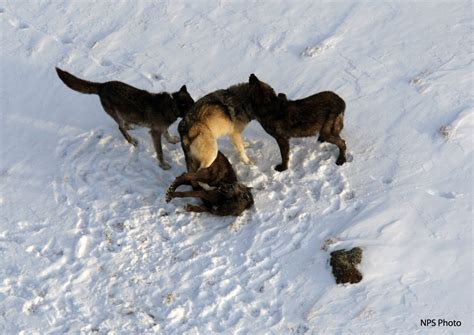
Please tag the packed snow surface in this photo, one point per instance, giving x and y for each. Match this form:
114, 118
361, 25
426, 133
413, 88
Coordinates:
88, 243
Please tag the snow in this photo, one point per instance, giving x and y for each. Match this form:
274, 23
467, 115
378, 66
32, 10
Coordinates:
88, 244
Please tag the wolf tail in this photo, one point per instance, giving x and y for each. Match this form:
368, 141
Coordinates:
78, 84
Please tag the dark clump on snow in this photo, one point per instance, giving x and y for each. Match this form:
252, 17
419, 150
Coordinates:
344, 265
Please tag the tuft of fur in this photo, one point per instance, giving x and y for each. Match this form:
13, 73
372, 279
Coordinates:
321, 113
225, 195
130, 106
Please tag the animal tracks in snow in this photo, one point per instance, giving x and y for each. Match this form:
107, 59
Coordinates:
420, 81
312, 167
129, 240
332, 38
319, 49
441, 194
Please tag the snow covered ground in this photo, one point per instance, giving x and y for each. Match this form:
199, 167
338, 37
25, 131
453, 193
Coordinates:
88, 244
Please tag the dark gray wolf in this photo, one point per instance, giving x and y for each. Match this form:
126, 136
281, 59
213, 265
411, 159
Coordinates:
130, 106
222, 113
221, 194
322, 112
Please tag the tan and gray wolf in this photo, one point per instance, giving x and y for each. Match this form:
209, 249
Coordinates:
130, 106
321, 113
224, 112
224, 195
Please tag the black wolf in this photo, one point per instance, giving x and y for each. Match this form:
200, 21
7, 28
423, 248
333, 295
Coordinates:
321, 113
221, 193
130, 106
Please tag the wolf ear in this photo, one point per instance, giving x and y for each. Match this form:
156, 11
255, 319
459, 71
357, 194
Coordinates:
183, 89
253, 79
282, 96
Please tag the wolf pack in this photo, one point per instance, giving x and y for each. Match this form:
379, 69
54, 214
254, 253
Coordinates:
225, 112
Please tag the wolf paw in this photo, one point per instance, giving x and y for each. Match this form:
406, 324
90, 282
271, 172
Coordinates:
247, 161
172, 188
133, 141
165, 166
173, 139
281, 167
169, 195
341, 160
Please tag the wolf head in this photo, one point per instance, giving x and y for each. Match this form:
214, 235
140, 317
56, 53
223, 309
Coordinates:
246, 195
238, 192
262, 96
183, 101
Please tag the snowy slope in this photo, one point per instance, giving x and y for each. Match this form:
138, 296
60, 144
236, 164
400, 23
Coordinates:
88, 244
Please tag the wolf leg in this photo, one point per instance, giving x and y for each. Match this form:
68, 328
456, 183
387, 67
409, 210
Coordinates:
123, 129
156, 135
184, 179
196, 208
191, 178
190, 166
341, 144
210, 196
331, 136
197, 194
203, 176
336, 130
284, 145
133, 141
171, 139
239, 146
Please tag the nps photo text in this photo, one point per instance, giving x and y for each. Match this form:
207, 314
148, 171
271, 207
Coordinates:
440, 323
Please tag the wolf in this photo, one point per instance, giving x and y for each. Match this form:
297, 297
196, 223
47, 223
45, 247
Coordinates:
130, 107
225, 112
321, 113
223, 194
